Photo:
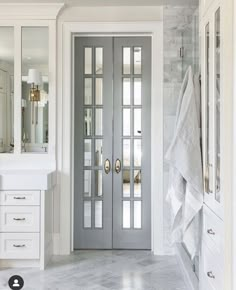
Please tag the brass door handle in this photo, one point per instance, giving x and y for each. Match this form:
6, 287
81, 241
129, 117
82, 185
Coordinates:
118, 166
107, 166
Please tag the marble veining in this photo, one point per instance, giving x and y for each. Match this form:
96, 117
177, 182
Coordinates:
103, 270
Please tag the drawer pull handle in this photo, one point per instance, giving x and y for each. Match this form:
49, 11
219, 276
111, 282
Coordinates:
210, 275
211, 232
19, 246
17, 197
19, 219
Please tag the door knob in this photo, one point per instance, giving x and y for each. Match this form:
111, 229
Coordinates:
107, 166
118, 166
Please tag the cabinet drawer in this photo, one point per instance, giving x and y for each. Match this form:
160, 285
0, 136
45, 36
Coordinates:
212, 228
19, 246
17, 219
212, 271
19, 197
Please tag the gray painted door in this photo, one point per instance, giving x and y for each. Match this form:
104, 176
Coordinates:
112, 143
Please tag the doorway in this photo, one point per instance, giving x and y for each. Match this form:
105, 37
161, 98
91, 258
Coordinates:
112, 157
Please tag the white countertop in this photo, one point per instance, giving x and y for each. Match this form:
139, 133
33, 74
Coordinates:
27, 179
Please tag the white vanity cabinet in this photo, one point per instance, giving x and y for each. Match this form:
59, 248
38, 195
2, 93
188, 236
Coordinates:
212, 256
26, 219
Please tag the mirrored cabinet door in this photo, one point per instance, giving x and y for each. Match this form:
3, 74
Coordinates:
35, 89
6, 89
217, 93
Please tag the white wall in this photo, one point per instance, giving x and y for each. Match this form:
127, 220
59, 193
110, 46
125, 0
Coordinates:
111, 14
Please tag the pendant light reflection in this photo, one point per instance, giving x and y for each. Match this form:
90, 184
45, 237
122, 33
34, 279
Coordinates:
35, 80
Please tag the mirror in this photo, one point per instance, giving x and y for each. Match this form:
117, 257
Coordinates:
6, 89
35, 89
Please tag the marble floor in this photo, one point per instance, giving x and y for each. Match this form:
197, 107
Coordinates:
103, 270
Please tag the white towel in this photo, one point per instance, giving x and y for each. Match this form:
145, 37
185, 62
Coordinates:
185, 192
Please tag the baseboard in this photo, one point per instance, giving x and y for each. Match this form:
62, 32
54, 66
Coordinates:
56, 244
186, 266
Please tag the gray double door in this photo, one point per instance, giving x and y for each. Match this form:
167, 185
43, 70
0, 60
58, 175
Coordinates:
112, 192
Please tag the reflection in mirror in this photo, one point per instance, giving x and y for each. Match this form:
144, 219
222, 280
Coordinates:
6, 89
35, 89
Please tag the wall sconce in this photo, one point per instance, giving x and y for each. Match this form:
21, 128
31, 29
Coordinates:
35, 80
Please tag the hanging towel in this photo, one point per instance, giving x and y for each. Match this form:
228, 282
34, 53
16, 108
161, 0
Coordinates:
185, 192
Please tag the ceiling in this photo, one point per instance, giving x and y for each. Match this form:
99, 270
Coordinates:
110, 2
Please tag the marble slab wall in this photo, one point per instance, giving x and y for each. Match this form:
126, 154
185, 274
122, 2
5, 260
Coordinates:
180, 30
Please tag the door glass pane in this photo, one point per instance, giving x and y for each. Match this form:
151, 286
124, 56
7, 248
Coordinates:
137, 122
137, 91
126, 122
99, 91
88, 91
98, 122
87, 152
137, 183
98, 214
207, 144
98, 182
126, 152
98, 152
126, 91
35, 89
137, 60
99, 60
137, 152
217, 99
88, 60
126, 60
88, 122
126, 183
87, 183
87, 214
126, 214
7, 90
137, 214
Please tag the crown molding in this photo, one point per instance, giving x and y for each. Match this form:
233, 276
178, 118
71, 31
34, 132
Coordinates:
31, 11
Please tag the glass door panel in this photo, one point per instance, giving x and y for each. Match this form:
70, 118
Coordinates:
217, 104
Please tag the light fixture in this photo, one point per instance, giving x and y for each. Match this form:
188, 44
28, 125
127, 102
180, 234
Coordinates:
35, 80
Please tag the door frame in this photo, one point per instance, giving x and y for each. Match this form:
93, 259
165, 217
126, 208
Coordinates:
65, 121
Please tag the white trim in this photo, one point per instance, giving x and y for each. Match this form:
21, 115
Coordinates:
34, 11
65, 151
